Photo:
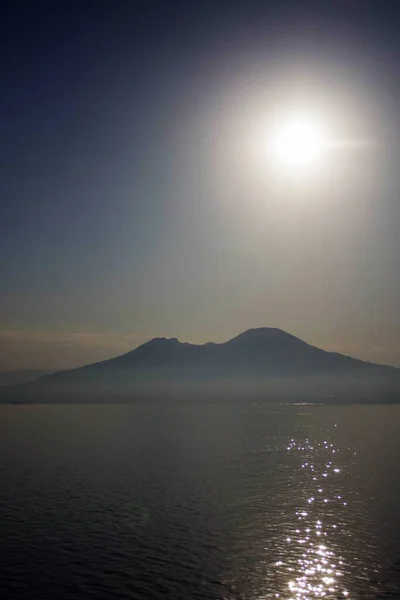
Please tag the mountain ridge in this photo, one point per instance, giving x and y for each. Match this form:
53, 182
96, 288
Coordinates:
260, 360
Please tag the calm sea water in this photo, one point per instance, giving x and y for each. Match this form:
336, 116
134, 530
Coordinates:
199, 501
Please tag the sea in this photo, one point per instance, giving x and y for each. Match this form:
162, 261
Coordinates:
197, 500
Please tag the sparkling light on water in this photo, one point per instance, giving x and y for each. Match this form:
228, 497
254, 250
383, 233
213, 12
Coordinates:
313, 569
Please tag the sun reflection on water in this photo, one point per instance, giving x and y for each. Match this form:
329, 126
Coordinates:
313, 569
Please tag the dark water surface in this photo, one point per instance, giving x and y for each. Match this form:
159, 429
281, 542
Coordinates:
199, 501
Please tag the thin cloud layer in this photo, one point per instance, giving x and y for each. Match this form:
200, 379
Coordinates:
383, 355
51, 351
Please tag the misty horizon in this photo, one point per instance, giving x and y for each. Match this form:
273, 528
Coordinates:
263, 362
21, 351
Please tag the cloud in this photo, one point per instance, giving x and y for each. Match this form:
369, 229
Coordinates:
51, 351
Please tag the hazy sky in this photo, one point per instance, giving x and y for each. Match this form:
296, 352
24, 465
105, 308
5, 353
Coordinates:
134, 202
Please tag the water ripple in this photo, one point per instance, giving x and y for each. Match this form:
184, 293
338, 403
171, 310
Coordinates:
310, 563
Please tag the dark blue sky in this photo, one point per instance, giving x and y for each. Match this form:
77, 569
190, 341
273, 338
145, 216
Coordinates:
125, 210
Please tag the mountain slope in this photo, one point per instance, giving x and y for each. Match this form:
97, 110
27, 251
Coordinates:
20, 376
258, 361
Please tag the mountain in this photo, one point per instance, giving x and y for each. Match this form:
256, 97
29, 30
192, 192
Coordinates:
265, 361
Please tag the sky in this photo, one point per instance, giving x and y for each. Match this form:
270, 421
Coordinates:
136, 200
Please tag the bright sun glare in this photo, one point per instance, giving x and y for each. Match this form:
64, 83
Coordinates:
298, 142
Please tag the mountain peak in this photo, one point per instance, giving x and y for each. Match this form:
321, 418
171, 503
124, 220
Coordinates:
158, 341
264, 334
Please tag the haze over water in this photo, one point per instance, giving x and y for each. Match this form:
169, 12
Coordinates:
199, 500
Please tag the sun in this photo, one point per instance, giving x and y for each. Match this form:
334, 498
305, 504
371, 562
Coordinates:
298, 142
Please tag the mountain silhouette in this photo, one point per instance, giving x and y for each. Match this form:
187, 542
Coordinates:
266, 361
